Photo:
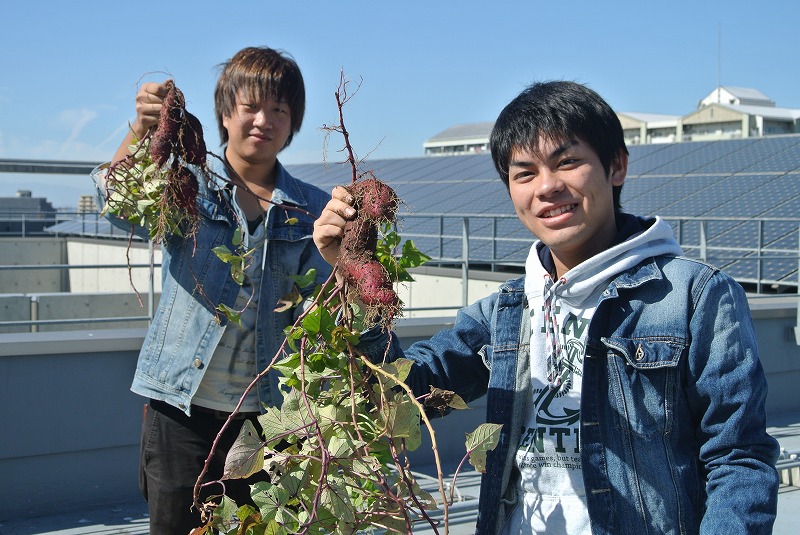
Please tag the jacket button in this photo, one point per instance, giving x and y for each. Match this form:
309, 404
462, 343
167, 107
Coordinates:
181, 406
198, 363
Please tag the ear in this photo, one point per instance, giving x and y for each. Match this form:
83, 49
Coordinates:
619, 169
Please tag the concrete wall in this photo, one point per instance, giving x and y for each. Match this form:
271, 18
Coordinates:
106, 292
82, 252
77, 293
69, 306
32, 251
443, 287
775, 320
77, 252
71, 426
14, 307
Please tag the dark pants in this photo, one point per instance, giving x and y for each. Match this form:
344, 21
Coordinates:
173, 450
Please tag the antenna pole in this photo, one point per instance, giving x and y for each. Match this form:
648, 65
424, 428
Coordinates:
719, 62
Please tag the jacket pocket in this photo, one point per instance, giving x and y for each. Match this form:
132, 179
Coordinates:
644, 378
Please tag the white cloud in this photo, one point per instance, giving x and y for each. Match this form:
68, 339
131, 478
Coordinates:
115, 138
76, 120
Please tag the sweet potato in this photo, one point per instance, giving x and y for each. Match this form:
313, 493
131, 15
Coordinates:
367, 278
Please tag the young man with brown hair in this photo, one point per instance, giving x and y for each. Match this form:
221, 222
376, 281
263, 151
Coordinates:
195, 365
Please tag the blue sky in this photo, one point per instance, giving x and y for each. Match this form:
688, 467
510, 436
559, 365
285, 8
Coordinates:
69, 71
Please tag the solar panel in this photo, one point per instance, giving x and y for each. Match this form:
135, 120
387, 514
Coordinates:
753, 177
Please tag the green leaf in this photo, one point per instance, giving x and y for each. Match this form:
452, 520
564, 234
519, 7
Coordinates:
237, 271
400, 416
343, 447
237, 237
294, 413
458, 403
232, 315
143, 204
269, 499
481, 441
336, 499
223, 253
246, 456
390, 523
273, 528
272, 425
399, 368
312, 321
305, 280
291, 220
245, 511
288, 365
224, 514
413, 257
339, 336
329, 418
252, 525
296, 481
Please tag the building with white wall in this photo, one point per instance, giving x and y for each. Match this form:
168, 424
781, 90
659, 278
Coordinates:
725, 113
471, 138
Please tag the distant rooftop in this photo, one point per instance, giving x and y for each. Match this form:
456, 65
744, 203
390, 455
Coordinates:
737, 95
464, 131
24, 203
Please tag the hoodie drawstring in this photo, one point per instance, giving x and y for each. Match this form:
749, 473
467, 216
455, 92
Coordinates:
555, 352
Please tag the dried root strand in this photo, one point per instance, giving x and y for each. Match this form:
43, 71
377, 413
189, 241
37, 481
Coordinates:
182, 190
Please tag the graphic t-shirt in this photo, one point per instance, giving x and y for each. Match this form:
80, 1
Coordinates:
551, 486
549, 452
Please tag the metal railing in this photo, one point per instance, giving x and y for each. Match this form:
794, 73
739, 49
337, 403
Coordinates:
788, 467
500, 243
463, 233
50, 224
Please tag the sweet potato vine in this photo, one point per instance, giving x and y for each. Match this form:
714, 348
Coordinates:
156, 187
335, 451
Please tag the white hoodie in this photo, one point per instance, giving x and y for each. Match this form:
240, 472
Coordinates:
549, 454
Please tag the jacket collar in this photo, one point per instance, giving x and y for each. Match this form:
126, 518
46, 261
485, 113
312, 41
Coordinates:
638, 275
513, 285
287, 188
631, 278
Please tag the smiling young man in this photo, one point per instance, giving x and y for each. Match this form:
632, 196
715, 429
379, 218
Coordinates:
626, 376
194, 365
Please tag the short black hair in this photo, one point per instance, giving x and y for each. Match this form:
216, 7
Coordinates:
557, 111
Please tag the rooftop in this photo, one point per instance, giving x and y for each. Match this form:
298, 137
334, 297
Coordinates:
131, 518
738, 189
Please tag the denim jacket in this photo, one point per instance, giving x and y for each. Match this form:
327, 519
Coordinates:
673, 416
187, 327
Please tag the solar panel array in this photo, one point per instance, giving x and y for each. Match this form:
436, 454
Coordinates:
733, 184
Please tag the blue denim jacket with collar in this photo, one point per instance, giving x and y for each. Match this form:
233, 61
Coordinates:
186, 327
673, 416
